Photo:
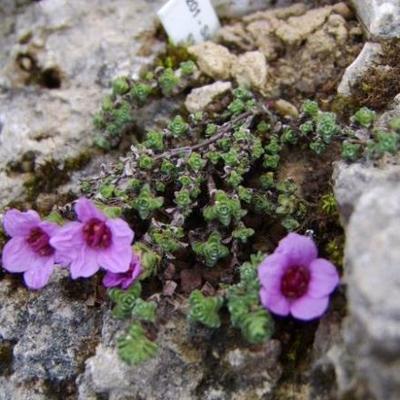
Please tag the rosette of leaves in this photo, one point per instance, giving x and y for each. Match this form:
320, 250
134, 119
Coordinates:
310, 108
212, 250
242, 233
247, 314
168, 81
120, 86
135, 348
364, 117
384, 142
144, 310
262, 204
149, 260
225, 209
155, 140
231, 158
112, 121
327, 126
328, 204
140, 92
168, 238
168, 168
187, 67
192, 185
125, 300
178, 126
350, 151
205, 309
146, 203
184, 201
145, 162
195, 162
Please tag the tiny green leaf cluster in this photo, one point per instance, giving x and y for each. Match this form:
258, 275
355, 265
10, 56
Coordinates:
205, 310
242, 301
134, 347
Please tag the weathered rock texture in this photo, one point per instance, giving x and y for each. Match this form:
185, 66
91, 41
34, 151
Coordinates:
56, 62
381, 18
381, 21
305, 49
46, 336
369, 200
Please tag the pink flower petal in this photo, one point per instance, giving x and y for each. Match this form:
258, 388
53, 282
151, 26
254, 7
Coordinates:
84, 264
37, 278
307, 308
274, 301
17, 223
121, 232
17, 255
49, 227
85, 210
112, 280
68, 241
115, 259
272, 267
300, 249
324, 278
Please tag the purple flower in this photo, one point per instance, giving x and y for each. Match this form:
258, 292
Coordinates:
93, 242
124, 279
29, 250
294, 281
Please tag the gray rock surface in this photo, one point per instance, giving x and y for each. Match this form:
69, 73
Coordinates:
250, 70
48, 335
213, 59
56, 62
352, 181
381, 18
372, 262
367, 57
182, 368
199, 98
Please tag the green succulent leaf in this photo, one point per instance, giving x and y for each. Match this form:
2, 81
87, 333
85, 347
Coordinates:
178, 127
168, 81
364, 117
120, 86
212, 250
225, 209
168, 238
196, 163
140, 92
135, 348
144, 310
146, 203
205, 309
149, 260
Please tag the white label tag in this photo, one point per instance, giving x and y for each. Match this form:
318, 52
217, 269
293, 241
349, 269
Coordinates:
192, 21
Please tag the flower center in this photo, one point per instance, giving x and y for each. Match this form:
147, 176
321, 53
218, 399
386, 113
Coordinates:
38, 240
294, 283
97, 234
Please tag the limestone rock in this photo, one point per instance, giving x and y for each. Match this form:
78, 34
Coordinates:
250, 70
50, 333
372, 263
254, 373
213, 59
298, 28
286, 109
359, 67
56, 62
174, 373
199, 98
351, 181
381, 18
